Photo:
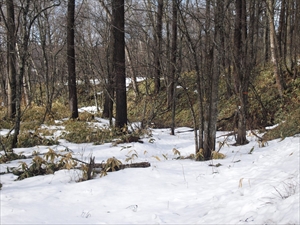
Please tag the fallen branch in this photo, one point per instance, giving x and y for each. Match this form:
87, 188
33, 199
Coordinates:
259, 138
228, 134
124, 166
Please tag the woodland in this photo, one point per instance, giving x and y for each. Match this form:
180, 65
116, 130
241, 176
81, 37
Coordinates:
214, 65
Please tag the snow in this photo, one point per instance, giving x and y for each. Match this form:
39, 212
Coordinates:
257, 188
91, 109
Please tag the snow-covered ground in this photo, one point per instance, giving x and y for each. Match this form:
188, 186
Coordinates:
257, 188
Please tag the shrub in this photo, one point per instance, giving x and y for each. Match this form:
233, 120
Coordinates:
10, 156
50, 163
289, 127
112, 164
30, 139
59, 111
81, 132
6, 123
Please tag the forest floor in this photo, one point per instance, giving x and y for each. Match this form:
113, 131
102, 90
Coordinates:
251, 185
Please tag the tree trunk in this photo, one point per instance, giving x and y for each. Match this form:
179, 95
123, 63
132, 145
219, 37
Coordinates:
172, 80
296, 39
289, 37
241, 76
45, 63
273, 48
23, 53
196, 67
207, 71
218, 58
213, 64
132, 71
71, 59
119, 62
281, 29
158, 42
109, 91
11, 60
266, 40
207, 79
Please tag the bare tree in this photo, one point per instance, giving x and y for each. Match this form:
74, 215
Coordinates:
158, 42
27, 17
241, 76
47, 69
109, 81
274, 48
119, 62
172, 78
71, 59
207, 52
296, 38
266, 40
11, 59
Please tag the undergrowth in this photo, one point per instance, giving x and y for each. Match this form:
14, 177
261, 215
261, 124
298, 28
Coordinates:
47, 164
265, 109
10, 156
28, 139
82, 132
287, 128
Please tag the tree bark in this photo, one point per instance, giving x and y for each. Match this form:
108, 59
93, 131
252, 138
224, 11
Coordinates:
23, 54
266, 40
71, 59
281, 29
296, 39
109, 92
217, 67
274, 49
289, 36
241, 76
119, 62
158, 42
172, 79
11, 60
132, 71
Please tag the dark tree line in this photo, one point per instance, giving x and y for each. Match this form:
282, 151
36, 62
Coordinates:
167, 42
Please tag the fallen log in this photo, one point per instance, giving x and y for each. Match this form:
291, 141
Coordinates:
112, 164
123, 166
103, 168
135, 165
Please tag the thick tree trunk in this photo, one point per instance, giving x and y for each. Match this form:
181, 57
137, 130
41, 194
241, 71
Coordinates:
119, 62
71, 59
